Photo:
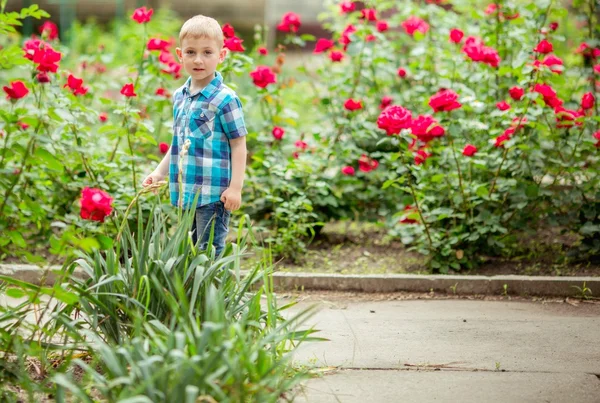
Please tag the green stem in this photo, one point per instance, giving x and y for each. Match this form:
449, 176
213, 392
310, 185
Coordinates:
414, 195
460, 182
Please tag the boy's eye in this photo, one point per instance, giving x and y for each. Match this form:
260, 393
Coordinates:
208, 52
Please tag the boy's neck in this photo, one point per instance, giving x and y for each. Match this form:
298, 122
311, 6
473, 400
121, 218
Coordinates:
199, 86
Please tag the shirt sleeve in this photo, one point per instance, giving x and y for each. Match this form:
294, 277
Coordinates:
232, 119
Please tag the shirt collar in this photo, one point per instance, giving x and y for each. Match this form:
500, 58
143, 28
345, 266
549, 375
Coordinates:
209, 89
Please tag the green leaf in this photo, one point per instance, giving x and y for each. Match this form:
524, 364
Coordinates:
482, 191
49, 160
437, 178
15, 293
17, 239
105, 242
532, 191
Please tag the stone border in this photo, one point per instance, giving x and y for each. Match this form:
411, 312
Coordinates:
487, 285
373, 283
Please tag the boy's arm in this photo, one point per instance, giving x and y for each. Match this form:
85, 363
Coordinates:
232, 197
161, 171
163, 167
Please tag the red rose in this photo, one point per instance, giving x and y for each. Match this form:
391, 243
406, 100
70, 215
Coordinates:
369, 14
142, 15
95, 204
553, 26
263, 51
478, 52
347, 7
345, 38
426, 128
322, 45
503, 106
353, 105
413, 24
456, 35
500, 140
385, 102
393, 119
23, 125
348, 170
290, 22
128, 90
516, 93
554, 102
174, 69
278, 132
336, 56
49, 30
366, 164
409, 210
545, 90
103, 116
548, 94
228, 31
382, 26
551, 61
401, 72
166, 57
301, 145
161, 92
421, 156
76, 85
163, 148
491, 9
567, 117
46, 58
587, 101
543, 47
263, 76
469, 150
42, 77
370, 38
17, 90
234, 44
444, 100
158, 44
31, 46
597, 137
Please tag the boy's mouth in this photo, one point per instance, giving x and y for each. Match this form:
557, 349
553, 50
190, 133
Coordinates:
198, 69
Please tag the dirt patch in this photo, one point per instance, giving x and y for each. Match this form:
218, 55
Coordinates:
364, 248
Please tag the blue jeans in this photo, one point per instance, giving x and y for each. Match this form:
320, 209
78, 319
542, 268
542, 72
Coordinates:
202, 226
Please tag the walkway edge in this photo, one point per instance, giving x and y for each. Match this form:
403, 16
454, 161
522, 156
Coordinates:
373, 283
488, 285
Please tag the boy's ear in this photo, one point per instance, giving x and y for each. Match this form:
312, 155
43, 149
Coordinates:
178, 51
222, 55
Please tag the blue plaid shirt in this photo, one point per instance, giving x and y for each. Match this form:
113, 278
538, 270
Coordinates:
209, 119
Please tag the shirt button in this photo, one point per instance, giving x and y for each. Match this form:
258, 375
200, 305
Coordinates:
189, 99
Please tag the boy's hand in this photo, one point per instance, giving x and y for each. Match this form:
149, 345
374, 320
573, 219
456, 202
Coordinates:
232, 198
152, 179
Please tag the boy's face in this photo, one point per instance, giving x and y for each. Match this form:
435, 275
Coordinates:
200, 57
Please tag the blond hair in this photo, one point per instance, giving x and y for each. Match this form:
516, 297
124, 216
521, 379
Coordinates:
201, 26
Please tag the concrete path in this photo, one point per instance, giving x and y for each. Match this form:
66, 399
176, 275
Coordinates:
453, 351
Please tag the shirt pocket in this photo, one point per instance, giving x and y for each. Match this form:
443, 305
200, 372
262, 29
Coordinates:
202, 123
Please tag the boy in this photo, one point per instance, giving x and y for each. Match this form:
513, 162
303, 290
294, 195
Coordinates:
209, 114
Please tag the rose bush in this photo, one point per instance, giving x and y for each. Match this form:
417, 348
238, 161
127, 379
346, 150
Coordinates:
460, 128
